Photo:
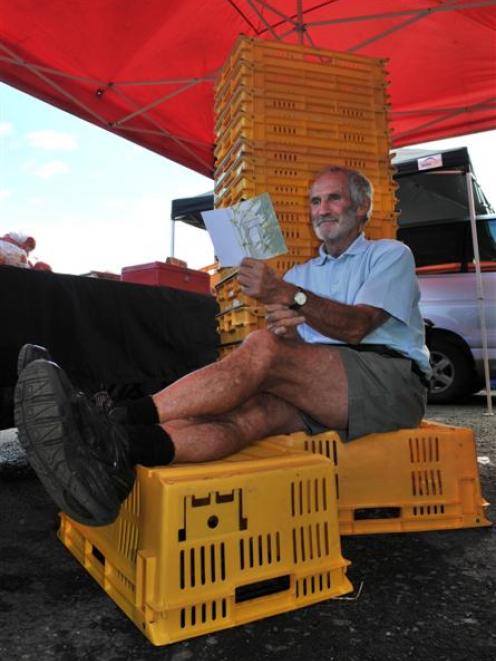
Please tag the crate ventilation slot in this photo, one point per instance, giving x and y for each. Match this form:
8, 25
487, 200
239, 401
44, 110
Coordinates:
204, 613
427, 483
428, 510
323, 446
127, 538
259, 550
202, 565
308, 496
310, 542
311, 584
424, 450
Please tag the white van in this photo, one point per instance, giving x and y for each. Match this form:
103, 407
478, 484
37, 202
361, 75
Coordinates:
434, 223
446, 274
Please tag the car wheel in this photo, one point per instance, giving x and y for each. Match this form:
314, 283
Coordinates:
451, 372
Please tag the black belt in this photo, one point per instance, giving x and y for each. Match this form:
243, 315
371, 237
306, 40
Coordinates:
384, 350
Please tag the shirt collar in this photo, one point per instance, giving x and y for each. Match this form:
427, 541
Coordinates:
358, 246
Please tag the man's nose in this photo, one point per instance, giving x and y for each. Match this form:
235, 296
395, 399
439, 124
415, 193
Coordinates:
324, 207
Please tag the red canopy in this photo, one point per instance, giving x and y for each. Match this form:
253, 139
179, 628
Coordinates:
144, 69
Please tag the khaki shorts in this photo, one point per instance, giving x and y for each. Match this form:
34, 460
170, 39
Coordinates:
384, 394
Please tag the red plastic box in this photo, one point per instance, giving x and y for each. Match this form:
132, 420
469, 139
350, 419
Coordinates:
167, 275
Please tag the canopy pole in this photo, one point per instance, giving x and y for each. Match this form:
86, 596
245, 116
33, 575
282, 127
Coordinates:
172, 238
480, 291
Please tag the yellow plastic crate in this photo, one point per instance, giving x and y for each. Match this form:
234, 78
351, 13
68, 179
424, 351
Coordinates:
320, 117
253, 49
250, 183
235, 324
251, 52
328, 86
304, 133
381, 229
287, 205
267, 103
283, 263
199, 548
229, 295
300, 174
404, 481
382, 223
303, 158
330, 73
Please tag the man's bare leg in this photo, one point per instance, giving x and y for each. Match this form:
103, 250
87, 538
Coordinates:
210, 438
309, 377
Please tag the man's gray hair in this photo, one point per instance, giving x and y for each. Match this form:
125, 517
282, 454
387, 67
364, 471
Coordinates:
360, 187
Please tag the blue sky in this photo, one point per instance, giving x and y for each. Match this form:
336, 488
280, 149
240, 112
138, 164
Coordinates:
94, 201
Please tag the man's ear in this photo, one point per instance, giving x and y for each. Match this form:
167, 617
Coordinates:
362, 210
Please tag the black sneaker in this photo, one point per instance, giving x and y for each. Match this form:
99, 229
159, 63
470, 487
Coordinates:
32, 352
81, 458
28, 353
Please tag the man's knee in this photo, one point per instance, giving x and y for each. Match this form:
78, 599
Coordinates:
263, 345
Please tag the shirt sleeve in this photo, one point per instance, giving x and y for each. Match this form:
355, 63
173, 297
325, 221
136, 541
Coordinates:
391, 283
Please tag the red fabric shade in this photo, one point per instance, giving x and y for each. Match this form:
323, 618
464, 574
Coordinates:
144, 69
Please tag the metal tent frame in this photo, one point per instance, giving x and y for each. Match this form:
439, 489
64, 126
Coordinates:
108, 62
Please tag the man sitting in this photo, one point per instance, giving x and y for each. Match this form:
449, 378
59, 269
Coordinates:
344, 349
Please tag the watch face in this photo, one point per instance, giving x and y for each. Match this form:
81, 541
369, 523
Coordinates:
300, 298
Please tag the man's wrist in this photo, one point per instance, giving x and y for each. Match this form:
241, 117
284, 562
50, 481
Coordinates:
283, 294
300, 299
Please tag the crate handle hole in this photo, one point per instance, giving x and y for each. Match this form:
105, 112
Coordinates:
366, 513
98, 555
262, 588
213, 521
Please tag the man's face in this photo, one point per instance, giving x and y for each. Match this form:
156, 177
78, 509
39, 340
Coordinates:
334, 218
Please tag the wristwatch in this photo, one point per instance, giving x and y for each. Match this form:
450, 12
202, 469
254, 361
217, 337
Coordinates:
299, 299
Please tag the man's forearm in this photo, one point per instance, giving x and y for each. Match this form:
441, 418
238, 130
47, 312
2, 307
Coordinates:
347, 323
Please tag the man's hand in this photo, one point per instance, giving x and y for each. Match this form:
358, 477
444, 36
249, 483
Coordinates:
260, 282
282, 321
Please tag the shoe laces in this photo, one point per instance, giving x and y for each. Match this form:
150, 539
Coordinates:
103, 401
101, 436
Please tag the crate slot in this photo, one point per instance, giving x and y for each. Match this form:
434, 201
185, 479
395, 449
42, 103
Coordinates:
262, 589
366, 513
98, 555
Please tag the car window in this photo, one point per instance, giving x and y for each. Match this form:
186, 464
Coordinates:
448, 246
438, 244
486, 232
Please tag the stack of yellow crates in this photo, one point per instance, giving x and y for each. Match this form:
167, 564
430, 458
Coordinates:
283, 113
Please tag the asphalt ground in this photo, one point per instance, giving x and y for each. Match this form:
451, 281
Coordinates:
417, 595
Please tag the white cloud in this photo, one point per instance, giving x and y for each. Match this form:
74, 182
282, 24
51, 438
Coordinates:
115, 204
6, 128
50, 168
109, 241
52, 140
4, 194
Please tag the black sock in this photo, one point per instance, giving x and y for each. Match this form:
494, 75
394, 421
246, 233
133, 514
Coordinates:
140, 411
150, 445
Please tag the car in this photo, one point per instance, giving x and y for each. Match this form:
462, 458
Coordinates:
434, 222
450, 302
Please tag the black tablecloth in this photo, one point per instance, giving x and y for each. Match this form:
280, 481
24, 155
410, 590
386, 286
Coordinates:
106, 334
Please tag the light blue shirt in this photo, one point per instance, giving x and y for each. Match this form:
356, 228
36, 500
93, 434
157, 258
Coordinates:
379, 273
